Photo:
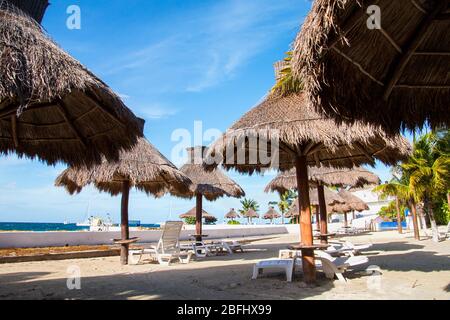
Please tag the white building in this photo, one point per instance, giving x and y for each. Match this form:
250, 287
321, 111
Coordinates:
372, 199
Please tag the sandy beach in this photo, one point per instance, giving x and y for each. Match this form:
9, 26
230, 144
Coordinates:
410, 269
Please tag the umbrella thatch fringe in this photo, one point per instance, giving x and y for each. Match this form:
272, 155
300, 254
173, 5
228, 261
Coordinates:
192, 214
346, 72
212, 184
352, 203
331, 199
144, 167
291, 122
63, 111
355, 178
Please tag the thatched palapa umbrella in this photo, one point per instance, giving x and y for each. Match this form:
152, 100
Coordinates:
391, 70
209, 184
331, 198
352, 204
250, 214
51, 107
34, 8
297, 136
320, 177
271, 214
232, 214
143, 167
193, 214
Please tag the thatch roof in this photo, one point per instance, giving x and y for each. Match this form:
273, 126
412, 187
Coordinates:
144, 166
331, 198
33, 8
352, 203
192, 214
271, 214
394, 76
211, 184
301, 130
355, 177
51, 107
250, 214
232, 214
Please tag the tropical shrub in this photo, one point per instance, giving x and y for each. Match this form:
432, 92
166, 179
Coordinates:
189, 220
233, 222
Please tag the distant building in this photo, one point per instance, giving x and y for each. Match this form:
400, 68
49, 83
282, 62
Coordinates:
372, 199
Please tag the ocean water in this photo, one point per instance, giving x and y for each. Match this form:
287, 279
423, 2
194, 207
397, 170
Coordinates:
41, 227
30, 226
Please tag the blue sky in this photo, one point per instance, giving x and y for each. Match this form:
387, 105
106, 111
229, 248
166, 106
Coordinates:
173, 62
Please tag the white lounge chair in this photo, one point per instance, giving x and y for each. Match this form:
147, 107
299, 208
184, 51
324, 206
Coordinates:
288, 265
232, 246
168, 247
348, 248
338, 266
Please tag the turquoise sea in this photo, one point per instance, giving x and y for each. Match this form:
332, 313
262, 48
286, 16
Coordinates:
31, 226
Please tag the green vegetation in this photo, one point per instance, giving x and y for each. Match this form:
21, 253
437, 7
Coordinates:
190, 220
424, 178
210, 220
233, 222
248, 204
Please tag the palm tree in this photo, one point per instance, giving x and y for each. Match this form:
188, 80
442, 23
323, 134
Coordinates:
429, 168
286, 200
399, 188
248, 204
287, 84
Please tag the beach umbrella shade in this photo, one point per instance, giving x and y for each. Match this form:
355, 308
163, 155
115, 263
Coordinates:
232, 214
34, 8
51, 107
143, 167
293, 134
271, 214
352, 204
211, 185
385, 64
250, 214
322, 176
193, 213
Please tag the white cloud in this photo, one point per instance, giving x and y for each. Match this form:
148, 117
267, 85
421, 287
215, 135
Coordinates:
201, 49
156, 111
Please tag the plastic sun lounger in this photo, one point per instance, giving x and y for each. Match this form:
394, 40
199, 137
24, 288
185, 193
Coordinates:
288, 265
338, 266
232, 246
168, 247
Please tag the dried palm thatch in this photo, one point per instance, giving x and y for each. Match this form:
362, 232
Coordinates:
51, 107
250, 213
395, 76
232, 214
34, 8
332, 199
352, 203
271, 214
143, 166
356, 177
211, 184
191, 214
300, 130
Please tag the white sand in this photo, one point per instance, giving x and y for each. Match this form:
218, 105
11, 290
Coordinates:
410, 270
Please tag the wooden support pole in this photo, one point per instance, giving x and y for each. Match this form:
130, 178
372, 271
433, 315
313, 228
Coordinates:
399, 216
309, 266
323, 213
317, 217
198, 217
415, 222
345, 220
125, 230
